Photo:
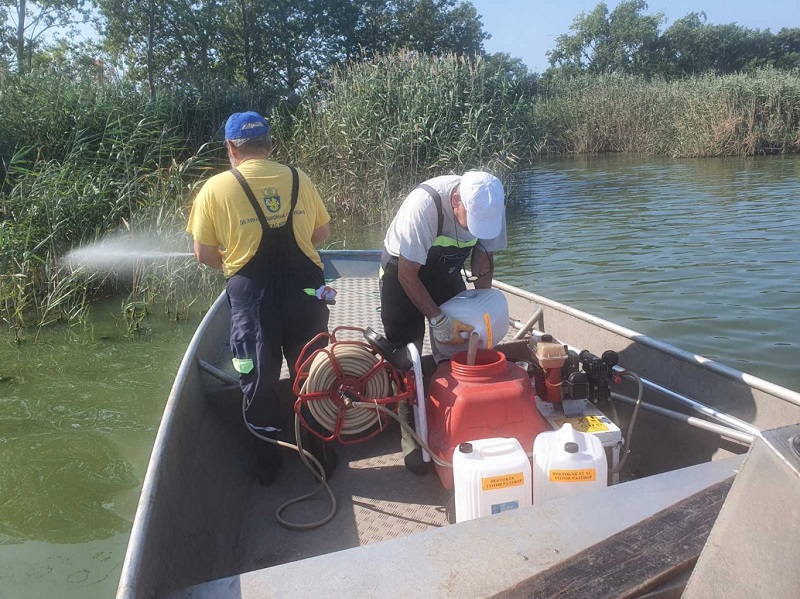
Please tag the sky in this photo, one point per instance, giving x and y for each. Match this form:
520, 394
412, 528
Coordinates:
527, 29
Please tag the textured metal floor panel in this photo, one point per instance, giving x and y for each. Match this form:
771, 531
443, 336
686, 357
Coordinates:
358, 303
378, 499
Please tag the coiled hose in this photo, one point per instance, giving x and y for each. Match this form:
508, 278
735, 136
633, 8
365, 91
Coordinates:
355, 361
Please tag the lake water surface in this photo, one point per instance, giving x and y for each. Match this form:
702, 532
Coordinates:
700, 253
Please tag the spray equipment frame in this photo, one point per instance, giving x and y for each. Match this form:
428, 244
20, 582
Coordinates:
330, 378
561, 373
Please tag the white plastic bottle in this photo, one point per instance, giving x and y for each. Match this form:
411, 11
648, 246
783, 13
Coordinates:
490, 476
484, 309
567, 462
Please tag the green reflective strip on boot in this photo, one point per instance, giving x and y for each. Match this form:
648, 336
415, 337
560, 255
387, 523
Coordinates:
242, 366
309, 291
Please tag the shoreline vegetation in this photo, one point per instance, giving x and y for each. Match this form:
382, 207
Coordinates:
84, 158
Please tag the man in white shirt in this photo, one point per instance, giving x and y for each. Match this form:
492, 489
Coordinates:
439, 224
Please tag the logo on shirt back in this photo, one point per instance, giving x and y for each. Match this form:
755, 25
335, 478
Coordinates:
272, 201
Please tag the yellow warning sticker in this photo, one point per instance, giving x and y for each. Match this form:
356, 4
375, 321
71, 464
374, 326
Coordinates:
573, 476
501, 482
584, 424
487, 322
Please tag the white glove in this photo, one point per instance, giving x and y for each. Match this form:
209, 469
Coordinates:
448, 331
326, 293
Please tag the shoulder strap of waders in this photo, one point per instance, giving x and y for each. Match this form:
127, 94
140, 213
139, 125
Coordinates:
295, 194
437, 199
250, 196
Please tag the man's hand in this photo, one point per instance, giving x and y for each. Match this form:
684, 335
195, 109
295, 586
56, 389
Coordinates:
320, 234
448, 331
209, 255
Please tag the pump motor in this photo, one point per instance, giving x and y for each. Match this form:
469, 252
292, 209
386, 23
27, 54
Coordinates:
561, 373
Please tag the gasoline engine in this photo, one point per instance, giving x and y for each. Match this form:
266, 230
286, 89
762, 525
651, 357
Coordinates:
560, 373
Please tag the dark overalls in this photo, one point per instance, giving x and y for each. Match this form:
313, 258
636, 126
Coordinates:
271, 314
441, 276
403, 323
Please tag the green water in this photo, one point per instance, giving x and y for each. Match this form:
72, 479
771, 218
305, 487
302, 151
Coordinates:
700, 253
79, 411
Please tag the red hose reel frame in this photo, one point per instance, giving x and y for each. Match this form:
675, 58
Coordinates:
404, 385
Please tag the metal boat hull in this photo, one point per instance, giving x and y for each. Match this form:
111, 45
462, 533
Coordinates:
193, 510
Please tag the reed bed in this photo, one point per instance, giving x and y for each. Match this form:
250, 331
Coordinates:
707, 116
119, 174
82, 159
379, 128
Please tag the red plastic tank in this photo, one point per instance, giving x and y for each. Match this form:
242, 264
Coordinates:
492, 398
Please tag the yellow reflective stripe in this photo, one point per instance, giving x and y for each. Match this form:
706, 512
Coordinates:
243, 366
448, 242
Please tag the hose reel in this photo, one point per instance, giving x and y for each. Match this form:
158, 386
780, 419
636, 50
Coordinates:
345, 368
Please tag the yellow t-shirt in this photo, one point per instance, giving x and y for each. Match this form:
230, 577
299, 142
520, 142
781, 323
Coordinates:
223, 216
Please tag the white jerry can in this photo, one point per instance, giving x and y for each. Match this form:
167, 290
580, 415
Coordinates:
567, 462
484, 309
490, 476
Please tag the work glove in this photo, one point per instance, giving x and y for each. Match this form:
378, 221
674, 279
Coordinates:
326, 293
449, 331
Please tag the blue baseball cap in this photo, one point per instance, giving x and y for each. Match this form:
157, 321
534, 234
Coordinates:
243, 125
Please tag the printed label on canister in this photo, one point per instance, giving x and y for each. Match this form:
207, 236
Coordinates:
501, 482
584, 424
506, 506
587, 475
487, 322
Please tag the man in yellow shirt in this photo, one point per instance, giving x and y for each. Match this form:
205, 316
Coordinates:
268, 217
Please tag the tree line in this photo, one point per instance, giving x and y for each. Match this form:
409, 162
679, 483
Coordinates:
283, 46
629, 40
279, 44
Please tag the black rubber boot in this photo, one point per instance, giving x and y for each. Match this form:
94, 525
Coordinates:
322, 451
414, 463
412, 453
268, 460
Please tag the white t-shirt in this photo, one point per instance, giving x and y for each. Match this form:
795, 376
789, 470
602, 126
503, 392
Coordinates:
413, 229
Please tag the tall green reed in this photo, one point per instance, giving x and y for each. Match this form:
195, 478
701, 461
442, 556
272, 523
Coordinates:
378, 128
81, 159
751, 114
126, 178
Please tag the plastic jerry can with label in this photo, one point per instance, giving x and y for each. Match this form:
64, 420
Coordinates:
567, 462
490, 476
484, 309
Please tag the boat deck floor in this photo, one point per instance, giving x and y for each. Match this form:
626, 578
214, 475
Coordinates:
377, 497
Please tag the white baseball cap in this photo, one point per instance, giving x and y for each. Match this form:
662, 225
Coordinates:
483, 197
